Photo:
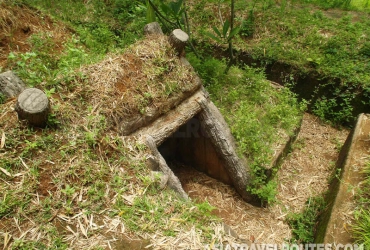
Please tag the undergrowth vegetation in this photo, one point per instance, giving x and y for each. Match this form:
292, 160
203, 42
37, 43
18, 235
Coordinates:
330, 46
41, 65
303, 224
102, 25
361, 228
77, 182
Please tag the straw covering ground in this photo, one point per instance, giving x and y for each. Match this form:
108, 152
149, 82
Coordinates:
147, 80
77, 183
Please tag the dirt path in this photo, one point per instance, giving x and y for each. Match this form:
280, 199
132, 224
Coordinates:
304, 173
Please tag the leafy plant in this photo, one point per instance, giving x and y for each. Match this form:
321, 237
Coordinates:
365, 49
303, 224
205, 208
334, 110
150, 13
173, 15
361, 226
227, 34
248, 26
68, 191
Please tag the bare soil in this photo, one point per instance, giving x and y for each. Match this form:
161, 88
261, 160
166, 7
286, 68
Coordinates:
304, 173
18, 24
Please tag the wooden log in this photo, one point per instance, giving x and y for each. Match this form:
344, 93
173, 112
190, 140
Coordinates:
166, 125
218, 132
178, 39
33, 106
152, 29
158, 162
10, 84
128, 125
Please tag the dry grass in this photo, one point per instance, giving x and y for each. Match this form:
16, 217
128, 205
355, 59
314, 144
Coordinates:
8, 22
258, 225
191, 239
304, 173
141, 81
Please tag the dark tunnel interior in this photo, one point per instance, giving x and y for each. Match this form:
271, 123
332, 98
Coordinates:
190, 146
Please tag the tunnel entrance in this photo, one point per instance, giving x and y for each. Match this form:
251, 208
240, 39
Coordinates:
190, 146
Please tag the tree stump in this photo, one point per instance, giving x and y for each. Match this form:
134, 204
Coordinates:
33, 106
10, 84
153, 29
178, 39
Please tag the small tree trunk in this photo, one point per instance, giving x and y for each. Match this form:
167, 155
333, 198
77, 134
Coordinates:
33, 106
178, 39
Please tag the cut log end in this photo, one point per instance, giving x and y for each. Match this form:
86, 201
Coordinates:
33, 106
153, 29
178, 39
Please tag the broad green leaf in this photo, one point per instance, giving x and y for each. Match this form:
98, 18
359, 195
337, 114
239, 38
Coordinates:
176, 6
217, 31
233, 33
150, 14
213, 37
225, 28
166, 9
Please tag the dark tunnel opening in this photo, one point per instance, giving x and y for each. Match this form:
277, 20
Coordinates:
190, 146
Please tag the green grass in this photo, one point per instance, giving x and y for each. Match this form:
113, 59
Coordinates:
303, 223
256, 113
361, 4
62, 171
361, 227
88, 168
329, 45
342, 4
102, 26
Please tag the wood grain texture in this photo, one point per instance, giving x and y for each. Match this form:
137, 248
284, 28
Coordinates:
33, 106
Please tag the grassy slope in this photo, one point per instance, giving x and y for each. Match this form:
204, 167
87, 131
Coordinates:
330, 44
78, 175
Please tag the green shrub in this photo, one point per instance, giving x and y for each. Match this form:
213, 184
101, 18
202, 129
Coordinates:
303, 224
365, 49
